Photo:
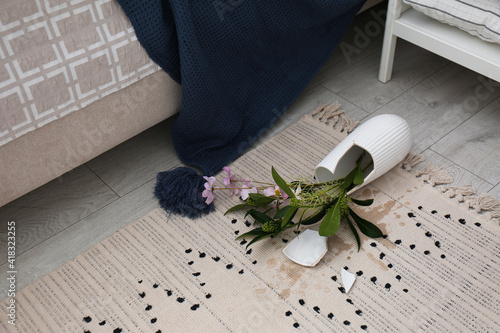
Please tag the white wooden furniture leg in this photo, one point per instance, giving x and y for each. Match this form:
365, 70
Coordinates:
389, 46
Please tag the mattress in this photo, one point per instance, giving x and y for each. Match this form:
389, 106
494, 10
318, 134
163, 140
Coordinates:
59, 56
480, 18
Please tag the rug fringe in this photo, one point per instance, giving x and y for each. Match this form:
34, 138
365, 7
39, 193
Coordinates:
434, 175
332, 114
411, 160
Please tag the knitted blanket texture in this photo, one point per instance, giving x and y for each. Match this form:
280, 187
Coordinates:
241, 63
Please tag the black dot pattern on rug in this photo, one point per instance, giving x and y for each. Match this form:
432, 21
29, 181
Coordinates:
477, 224
427, 252
382, 255
87, 331
140, 281
412, 246
342, 290
296, 325
390, 266
159, 331
249, 251
102, 323
143, 294
438, 244
197, 274
373, 244
359, 273
202, 254
155, 285
248, 224
153, 320
420, 207
349, 301
254, 262
189, 251
398, 277
202, 284
448, 216
334, 278
346, 268
388, 286
317, 309
288, 313
330, 315
241, 272
373, 279
411, 215
428, 234
397, 242
434, 212
284, 240
364, 327
190, 263
236, 232
359, 312
233, 221
443, 256
229, 266
195, 307
301, 301
243, 242
180, 299
87, 319
347, 322
207, 296
462, 221
169, 292
216, 258
418, 224
117, 330
149, 307
405, 290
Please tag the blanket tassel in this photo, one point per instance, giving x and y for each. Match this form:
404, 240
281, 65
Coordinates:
179, 191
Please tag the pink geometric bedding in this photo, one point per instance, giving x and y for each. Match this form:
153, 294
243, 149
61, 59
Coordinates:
58, 56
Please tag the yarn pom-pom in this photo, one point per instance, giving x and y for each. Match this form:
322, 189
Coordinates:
179, 191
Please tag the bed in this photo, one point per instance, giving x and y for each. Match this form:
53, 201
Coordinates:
74, 83
466, 32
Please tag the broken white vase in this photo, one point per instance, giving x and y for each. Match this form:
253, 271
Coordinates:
307, 248
385, 138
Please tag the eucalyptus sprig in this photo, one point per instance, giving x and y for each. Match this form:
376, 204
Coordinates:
326, 203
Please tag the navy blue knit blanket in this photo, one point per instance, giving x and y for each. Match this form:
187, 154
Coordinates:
241, 63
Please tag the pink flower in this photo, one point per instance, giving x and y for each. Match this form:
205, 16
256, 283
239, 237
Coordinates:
209, 186
275, 192
228, 181
247, 189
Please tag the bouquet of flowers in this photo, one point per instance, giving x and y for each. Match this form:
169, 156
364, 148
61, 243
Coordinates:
281, 205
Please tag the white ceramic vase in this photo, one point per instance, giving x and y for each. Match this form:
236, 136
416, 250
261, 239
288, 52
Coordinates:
385, 138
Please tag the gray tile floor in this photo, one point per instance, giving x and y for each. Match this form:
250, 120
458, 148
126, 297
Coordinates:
454, 114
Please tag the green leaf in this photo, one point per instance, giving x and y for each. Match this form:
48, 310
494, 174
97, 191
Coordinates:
288, 216
282, 184
253, 232
331, 222
260, 199
314, 218
366, 227
359, 177
282, 212
258, 238
260, 217
348, 179
237, 207
354, 231
362, 202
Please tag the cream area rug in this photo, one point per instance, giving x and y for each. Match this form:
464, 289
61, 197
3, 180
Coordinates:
436, 270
